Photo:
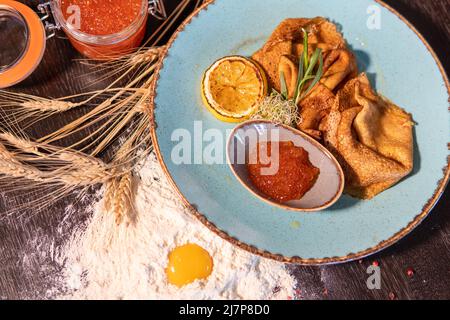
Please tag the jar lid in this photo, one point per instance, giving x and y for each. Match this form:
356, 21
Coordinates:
23, 42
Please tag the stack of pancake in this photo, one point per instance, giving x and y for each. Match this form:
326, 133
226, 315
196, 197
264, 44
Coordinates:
371, 137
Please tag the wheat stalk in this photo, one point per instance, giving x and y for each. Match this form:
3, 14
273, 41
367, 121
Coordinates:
69, 167
19, 143
57, 171
123, 202
109, 193
11, 167
82, 170
49, 105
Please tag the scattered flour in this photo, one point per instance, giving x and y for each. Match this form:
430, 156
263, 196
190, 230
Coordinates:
106, 261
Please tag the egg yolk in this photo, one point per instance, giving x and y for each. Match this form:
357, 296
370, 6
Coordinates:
187, 264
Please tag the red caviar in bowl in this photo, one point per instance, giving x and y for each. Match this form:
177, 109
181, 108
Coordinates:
293, 177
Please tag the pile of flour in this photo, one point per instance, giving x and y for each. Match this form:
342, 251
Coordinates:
106, 261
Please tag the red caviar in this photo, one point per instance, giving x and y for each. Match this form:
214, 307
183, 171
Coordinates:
105, 18
293, 175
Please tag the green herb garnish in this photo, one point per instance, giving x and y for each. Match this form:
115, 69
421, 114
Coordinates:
306, 69
278, 110
278, 107
284, 89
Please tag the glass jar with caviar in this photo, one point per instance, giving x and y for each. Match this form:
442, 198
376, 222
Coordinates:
101, 29
98, 29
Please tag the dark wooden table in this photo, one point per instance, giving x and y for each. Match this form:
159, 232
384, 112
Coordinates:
27, 272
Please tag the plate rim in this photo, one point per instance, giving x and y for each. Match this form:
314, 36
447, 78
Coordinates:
418, 219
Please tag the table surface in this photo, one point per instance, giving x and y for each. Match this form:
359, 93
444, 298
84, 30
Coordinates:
26, 273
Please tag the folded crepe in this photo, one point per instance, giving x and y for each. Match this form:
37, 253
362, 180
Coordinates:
371, 137
287, 40
282, 52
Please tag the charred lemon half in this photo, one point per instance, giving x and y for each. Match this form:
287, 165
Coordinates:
232, 88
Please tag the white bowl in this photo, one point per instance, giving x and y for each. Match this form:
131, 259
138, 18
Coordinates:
329, 185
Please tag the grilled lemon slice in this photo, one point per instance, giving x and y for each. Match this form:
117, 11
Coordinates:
232, 88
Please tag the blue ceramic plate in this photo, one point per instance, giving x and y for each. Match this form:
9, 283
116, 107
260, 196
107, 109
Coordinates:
401, 66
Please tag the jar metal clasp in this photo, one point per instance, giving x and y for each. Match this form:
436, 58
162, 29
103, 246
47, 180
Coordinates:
157, 9
50, 27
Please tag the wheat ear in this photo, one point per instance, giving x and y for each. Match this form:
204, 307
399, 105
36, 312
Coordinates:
123, 198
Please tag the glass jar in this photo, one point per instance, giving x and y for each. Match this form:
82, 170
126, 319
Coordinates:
103, 46
24, 33
23, 42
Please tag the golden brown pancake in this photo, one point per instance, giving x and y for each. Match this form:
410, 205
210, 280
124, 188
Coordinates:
282, 52
313, 110
371, 137
287, 40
